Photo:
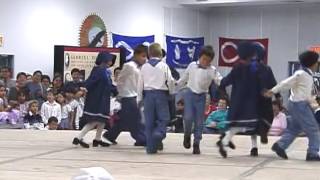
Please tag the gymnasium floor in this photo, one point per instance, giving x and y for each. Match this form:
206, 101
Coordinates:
49, 155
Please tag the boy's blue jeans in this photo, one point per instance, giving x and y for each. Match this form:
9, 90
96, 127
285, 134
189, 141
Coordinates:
194, 109
156, 111
303, 120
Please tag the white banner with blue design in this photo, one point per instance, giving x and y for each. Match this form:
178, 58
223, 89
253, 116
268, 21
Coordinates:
182, 51
130, 42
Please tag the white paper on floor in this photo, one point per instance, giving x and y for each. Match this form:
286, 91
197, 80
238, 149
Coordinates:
93, 173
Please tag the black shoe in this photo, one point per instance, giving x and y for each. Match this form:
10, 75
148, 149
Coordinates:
254, 152
139, 144
152, 152
187, 142
77, 141
311, 157
231, 145
264, 139
96, 143
196, 149
160, 146
105, 135
222, 151
279, 151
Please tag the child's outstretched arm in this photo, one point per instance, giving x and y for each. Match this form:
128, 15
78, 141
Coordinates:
184, 79
283, 85
286, 84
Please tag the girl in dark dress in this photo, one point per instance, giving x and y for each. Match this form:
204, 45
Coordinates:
246, 89
268, 81
97, 104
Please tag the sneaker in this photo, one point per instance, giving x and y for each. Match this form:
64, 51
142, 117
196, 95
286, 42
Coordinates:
311, 157
279, 151
254, 152
196, 149
187, 142
77, 141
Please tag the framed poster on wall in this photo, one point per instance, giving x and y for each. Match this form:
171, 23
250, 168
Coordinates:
67, 58
1, 40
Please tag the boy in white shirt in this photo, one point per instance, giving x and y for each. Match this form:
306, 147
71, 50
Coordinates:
198, 76
155, 83
130, 117
302, 117
50, 108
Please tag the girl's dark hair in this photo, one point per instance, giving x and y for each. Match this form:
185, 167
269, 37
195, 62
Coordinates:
224, 99
21, 74
277, 103
36, 72
45, 77
246, 49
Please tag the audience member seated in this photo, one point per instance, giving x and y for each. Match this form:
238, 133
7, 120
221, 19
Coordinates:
217, 120
22, 104
66, 113
79, 98
20, 86
33, 119
211, 107
317, 110
53, 124
5, 74
76, 80
10, 116
279, 123
57, 85
35, 89
176, 125
50, 108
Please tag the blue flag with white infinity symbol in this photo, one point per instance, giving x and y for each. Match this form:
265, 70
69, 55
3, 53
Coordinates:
182, 51
130, 42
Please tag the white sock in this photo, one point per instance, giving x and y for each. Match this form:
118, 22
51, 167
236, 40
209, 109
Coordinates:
100, 127
88, 127
254, 141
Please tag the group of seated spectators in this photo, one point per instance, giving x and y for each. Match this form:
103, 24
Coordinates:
36, 102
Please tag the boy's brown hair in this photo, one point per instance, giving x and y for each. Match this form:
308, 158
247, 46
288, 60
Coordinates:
155, 50
207, 51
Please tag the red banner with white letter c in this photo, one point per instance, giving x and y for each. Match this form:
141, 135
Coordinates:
228, 50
